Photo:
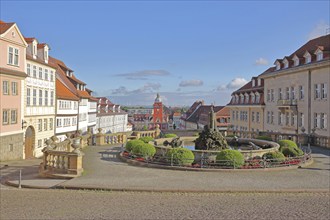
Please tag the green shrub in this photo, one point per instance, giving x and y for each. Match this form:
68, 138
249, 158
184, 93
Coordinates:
171, 135
146, 139
291, 151
144, 150
265, 138
181, 156
287, 143
274, 155
130, 144
231, 158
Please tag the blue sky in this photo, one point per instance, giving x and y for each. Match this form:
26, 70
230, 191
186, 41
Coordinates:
185, 50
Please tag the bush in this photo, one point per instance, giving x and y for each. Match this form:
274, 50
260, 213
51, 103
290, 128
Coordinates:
170, 136
232, 158
146, 139
265, 138
181, 156
277, 155
144, 150
291, 151
287, 143
130, 144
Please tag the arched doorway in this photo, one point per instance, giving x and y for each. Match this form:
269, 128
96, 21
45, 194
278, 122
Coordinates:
29, 142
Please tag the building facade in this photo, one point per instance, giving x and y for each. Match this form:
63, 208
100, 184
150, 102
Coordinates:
247, 109
12, 76
297, 93
39, 101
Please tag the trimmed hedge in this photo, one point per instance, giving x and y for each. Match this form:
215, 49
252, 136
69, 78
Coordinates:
287, 143
265, 138
233, 158
171, 135
130, 144
146, 139
144, 150
181, 156
277, 155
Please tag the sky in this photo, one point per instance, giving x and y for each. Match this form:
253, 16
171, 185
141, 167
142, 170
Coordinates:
183, 50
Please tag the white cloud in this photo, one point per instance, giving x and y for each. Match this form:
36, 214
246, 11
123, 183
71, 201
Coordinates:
148, 87
144, 74
319, 30
193, 82
234, 84
261, 62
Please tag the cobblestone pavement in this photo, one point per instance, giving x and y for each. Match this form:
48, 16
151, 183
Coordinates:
64, 204
109, 172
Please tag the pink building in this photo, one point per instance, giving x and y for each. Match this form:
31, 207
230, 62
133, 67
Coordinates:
12, 75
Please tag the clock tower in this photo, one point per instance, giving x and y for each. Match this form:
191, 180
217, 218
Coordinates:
158, 111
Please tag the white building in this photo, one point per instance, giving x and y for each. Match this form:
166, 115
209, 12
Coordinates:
39, 113
110, 118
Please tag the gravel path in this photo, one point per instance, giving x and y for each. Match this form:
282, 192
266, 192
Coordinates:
110, 172
67, 204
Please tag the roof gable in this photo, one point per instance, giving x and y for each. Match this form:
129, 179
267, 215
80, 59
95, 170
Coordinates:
11, 32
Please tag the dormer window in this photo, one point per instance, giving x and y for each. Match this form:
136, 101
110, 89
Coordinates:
319, 54
278, 65
253, 83
242, 98
67, 73
253, 98
259, 82
46, 55
286, 63
257, 97
246, 98
308, 57
295, 60
236, 98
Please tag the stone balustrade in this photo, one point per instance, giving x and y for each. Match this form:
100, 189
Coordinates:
62, 159
109, 139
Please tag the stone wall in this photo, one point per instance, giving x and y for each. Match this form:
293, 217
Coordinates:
11, 147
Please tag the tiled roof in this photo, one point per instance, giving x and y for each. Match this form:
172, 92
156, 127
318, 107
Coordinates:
73, 78
62, 92
83, 94
29, 39
41, 61
202, 113
12, 72
322, 43
42, 45
5, 26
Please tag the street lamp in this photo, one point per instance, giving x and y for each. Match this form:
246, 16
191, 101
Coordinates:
23, 124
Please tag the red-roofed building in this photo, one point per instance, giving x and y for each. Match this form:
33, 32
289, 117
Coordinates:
297, 94
247, 109
110, 118
12, 76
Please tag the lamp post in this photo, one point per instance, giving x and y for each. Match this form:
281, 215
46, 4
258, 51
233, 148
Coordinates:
23, 124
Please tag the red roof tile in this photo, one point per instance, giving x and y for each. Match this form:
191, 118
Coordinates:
5, 26
62, 92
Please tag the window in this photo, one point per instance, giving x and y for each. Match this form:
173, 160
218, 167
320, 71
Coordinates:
40, 97
287, 117
28, 69
13, 55
66, 122
11, 147
280, 93
317, 93
307, 58
287, 93
39, 124
319, 56
45, 124
46, 98
278, 65
268, 117
258, 117
301, 92
46, 55
52, 98
279, 118
257, 98
51, 124
59, 122
28, 96
242, 99
13, 116
286, 63
293, 96
34, 71
296, 61
324, 121
253, 118
51, 76
39, 142
324, 91
34, 97
272, 95
292, 119
5, 87
74, 121
40, 73
5, 116
46, 74
301, 119
268, 95
316, 121
272, 117
253, 98
246, 98
14, 89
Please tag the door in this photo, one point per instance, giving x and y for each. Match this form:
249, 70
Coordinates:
29, 142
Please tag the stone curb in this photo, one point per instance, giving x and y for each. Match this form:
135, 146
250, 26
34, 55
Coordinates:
9, 183
157, 166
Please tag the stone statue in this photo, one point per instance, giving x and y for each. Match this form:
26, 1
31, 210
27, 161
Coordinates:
176, 142
210, 138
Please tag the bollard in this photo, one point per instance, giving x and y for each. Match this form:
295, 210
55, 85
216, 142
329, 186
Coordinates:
20, 179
